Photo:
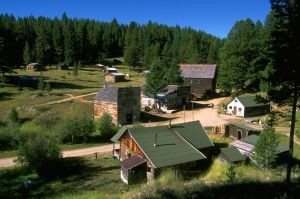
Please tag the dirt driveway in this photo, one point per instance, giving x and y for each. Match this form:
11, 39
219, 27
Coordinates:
8, 162
202, 111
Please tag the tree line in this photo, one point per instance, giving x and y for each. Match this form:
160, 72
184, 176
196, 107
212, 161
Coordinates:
52, 41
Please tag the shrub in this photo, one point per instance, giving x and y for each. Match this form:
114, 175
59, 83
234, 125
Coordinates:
46, 120
77, 129
106, 127
40, 153
30, 127
13, 115
9, 137
231, 174
48, 87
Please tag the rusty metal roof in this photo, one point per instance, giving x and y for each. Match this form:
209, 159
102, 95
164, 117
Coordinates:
198, 70
132, 162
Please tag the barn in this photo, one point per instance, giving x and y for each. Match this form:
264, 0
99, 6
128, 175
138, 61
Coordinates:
114, 77
247, 106
123, 104
144, 152
201, 78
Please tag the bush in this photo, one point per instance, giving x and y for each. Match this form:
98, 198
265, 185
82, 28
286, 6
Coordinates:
77, 129
46, 120
40, 153
28, 127
9, 137
13, 115
106, 127
231, 174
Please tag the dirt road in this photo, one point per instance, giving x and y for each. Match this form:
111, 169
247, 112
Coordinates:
8, 162
202, 111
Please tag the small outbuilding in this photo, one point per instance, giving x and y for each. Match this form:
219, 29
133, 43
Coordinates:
100, 66
235, 130
123, 104
111, 70
231, 155
247, 106
114, 77
173, 97
246, 147
35, 67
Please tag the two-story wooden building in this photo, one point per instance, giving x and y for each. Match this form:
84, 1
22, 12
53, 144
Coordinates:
201, 78
145, 151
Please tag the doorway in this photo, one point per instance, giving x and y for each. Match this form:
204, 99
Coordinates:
129, 118
239, 134
234, 110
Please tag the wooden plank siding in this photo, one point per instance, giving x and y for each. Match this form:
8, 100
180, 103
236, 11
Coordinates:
200, 86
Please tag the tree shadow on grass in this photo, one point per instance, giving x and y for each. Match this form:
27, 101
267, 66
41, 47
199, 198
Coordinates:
5, 96
63, 85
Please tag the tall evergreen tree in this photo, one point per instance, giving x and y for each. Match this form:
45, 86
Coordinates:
286, 47
27, 55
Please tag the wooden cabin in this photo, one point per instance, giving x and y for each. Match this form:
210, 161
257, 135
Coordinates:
123, 104
114, 77
180, 146
201, 78
231, 155
173, 97
235, 130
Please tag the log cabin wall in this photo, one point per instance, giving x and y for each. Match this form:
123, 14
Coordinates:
200, 86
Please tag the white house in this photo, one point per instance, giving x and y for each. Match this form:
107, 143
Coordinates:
247, 106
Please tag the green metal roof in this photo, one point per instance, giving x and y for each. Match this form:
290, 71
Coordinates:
171, 146
194, 133
252, 139
233, 154
243, 126
116, 137
250, 101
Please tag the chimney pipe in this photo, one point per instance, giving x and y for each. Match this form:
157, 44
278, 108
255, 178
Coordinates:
155, 141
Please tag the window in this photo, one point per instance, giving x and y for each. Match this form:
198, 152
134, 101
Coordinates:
230, 107
235, 100
240, 109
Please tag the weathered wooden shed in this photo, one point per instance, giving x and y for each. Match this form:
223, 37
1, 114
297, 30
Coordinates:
173, 97
201, 78
123, 104
35, 67
110, 70
181, 146
235, 130
239, 131
114, 77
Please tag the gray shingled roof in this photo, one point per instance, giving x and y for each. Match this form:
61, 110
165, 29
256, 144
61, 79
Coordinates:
198, 70
107, 94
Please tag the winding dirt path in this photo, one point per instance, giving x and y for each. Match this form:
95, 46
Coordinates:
8, 162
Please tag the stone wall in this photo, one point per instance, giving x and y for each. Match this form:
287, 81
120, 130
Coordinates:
110, 107
109, 78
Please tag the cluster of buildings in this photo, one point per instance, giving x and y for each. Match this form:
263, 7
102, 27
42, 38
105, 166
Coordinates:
145, 152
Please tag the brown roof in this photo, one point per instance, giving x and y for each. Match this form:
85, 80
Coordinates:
132, 162
198, 70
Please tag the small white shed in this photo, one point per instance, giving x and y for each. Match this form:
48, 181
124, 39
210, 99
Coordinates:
247, 106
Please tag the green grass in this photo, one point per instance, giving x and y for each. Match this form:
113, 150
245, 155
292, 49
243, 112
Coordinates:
62, 82
84, 178
7, 154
